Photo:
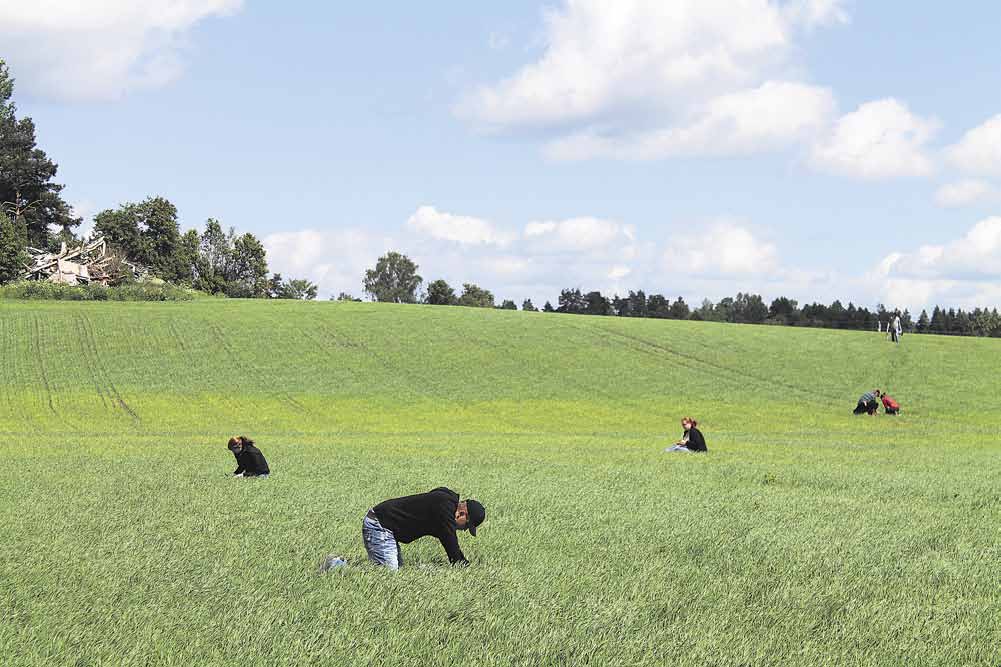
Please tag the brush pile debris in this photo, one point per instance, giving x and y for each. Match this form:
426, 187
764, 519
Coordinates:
90, 262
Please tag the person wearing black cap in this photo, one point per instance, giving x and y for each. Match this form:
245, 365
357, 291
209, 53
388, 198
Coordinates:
438, 513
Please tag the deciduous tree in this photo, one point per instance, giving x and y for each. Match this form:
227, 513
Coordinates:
476, 297
440, 293
394, 279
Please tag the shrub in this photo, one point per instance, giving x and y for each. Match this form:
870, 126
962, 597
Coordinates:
44, 290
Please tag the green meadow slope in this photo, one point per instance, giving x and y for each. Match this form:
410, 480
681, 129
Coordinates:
807, 536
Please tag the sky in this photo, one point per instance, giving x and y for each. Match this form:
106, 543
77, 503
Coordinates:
816, 149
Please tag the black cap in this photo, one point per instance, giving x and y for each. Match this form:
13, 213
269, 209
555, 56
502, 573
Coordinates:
476, 514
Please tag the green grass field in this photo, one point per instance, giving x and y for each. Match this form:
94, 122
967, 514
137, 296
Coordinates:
806, 536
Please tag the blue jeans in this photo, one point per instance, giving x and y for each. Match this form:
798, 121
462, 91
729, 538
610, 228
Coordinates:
381, 544
678, 448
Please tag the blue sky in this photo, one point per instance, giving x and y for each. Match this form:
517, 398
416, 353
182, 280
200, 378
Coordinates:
811, 148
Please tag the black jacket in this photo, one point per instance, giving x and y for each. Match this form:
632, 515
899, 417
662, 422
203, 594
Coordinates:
431, 513
251, 462
696, 442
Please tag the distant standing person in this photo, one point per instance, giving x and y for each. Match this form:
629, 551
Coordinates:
438, 513
889, 405
691, 440
867, 403
250, 461
896, 329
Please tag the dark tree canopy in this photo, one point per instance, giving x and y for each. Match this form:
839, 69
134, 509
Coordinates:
440, 293
28, 193
572, 301
12, 255
394, 279
476, 297
148, 233
299, 289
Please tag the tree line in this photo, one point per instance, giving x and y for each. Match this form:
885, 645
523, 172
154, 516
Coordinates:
394, 279
220, 261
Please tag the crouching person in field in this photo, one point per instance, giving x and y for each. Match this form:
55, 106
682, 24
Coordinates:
889, 405
867, 403
438, 513
692, 440
250, 461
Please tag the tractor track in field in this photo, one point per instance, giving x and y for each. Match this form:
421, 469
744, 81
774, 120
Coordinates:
180, 339
9, 339
87, 355
90, 341
35, 344
251, 369
696, 363
397, 372
344, 341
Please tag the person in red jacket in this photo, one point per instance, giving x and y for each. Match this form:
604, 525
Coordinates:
889, 405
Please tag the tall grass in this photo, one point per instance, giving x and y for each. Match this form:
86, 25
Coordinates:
806, 536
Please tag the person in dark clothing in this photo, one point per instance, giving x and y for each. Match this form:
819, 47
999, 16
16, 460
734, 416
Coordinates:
867, 403
438, 513
250, 461
692, 440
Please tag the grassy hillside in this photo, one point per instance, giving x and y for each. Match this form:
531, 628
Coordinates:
806, 536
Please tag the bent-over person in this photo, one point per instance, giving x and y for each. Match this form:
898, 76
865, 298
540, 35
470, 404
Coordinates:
438, 513
867, 403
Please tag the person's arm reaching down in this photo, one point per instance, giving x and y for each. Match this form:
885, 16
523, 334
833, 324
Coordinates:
451, 543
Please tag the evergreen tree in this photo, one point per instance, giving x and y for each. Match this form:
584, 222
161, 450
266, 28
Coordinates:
637, 304
548, 308
923, 323
658, 306
596, 304
572, 301
937, 324
679, 309
527, 306
12, 255
27, 192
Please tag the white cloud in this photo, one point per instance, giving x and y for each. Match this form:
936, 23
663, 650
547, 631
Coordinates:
334, 259
816, 13
647, 78
724, 248
880, 140
964, 193
965, 272
579, 234
84, 209
977, 255
773, 115
619, 272
713, 260
458, 228
979, 149
99, 49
